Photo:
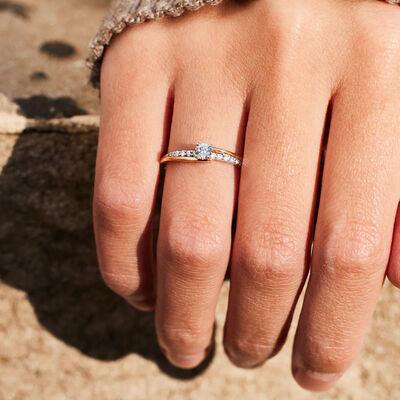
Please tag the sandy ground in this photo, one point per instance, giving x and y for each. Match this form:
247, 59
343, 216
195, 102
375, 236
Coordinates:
63, 335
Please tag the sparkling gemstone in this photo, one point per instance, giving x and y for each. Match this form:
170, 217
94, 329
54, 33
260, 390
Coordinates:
203, 151
219, 156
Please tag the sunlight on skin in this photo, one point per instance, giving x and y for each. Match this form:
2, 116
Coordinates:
263, 90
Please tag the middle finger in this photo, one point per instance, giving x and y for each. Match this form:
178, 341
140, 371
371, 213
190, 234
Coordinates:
275, 214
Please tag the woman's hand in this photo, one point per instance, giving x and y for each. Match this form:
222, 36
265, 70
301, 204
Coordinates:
266, 79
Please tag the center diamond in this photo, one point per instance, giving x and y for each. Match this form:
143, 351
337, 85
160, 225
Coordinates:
203, 151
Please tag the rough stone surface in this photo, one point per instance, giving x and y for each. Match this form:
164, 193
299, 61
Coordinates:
63, 335
34, 38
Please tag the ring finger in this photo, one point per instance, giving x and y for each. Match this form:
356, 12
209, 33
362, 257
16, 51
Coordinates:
196, 217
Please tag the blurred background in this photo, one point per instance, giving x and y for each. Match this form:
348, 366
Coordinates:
63, 335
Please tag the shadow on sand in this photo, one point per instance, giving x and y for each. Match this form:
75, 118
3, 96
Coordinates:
47, 250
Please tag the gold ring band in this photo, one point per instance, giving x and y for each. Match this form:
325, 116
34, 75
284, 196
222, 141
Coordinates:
202, 152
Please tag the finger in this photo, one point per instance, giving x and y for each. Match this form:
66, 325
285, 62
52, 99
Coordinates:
355, 224
394, 262
196, 217
135, 106
275, 214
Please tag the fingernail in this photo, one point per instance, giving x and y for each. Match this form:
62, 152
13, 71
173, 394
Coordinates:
240, 361
141, 302
186, 361
313, 380
248, 360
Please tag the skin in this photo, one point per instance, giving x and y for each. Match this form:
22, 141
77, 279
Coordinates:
277, 81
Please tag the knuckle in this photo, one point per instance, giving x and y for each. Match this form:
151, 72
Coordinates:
385, 44
187, 244
148, 42
353, 249
118, 202
291, 20
270, 254
377, 28
291, 26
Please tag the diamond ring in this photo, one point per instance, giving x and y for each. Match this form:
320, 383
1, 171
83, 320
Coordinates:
203, 152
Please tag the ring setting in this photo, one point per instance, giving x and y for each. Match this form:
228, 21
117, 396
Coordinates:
203, 152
